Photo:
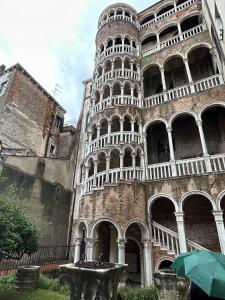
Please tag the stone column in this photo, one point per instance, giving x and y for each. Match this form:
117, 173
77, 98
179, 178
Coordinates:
188, 70
98, 131
132, 69
109, 132
123, 60
101, 99
175, 5
134, 165
181, 231
172, 156
143, 166
146, 155
214, 59
163, 83
180, 31
132, 95
121, 251
204, 146
147, 263
123, 38
132, 130
107, 169
121, 130
90, 248
112, 69
122, 94
121, 166
77, 250
113, 245
218, 216
158, 41
111, 96
95, 172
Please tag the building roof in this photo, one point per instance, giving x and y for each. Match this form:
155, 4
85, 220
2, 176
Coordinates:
31, 78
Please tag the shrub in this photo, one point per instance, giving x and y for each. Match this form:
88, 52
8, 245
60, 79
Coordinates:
129, 293
52, 284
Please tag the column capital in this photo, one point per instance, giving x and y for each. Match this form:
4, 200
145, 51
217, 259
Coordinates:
169, 129
218, 215
121, 243
199, 122
185, 60
77, 241
144, 135
146, 242
179, 216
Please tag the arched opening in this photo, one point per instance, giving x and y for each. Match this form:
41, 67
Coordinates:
164, 10
200, 63
115, 124
214, 129
152, 81
116, 89
90, 167
127, 14
119, 12
127, 159
106, 92
134, 44
99, 71
94, 132
127, 89
112, 13
136, 126
126, 124
118, 41
108, 66
175, 73
118, 63
126, 41
165, 265
134, 255
127, 63
135, 92
138, 158
82, 234
115, 159
190, 23
101, 167
162, 213
203, 229
186, 138
149, 42
97, 97
101, 48
135, 66
106, 235
109, 43
168, 33
157, 143
104, 127
147, 19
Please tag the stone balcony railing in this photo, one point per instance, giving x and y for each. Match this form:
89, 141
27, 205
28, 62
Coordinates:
116, 74
186, 167
118, 18
117, 49
177, 168
113, 138
168, 13
176, 39
183, 91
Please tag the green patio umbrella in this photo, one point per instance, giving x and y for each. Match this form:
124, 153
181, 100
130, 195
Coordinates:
204, 268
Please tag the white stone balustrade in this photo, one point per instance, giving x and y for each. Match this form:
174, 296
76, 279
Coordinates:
168, 13
182, 91
115, 138
176, 39
116, 74
118, 18
117, 49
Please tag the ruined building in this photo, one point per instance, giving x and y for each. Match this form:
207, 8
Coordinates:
150, 176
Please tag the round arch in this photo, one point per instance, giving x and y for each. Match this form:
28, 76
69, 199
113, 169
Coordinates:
141, 225
219, 199
79, 223
177, 115
160, 120
160, 260
145, 68
192, 14
99, 221
206, 107
164, 6
172, 24
170, 57
162, 195
196, 46
193, 193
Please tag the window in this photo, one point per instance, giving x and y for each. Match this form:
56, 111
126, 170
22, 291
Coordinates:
219, 23
3, 87
59, 122
52, 149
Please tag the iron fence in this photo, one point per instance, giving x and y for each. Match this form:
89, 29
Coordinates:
47, 257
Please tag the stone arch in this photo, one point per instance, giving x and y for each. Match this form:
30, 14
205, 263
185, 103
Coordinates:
169, 57
99, 221
145, 68
196, 46
219, 200
207, 106
196, 192
144, 228
160, 260
78, 229
191, 14
168, 5
162, 195
172, 24
145, 127
179, 114
147, 17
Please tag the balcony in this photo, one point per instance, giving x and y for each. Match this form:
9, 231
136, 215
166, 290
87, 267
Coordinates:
118, 18
175, 40
184, 91
187, 167
168, 13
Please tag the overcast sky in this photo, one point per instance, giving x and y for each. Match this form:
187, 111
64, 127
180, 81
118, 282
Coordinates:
54, 42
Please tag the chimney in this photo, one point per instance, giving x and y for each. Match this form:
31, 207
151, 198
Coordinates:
2, 68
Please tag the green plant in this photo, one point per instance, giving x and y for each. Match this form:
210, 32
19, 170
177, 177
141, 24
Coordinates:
18, 235
52, 284
129, 293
